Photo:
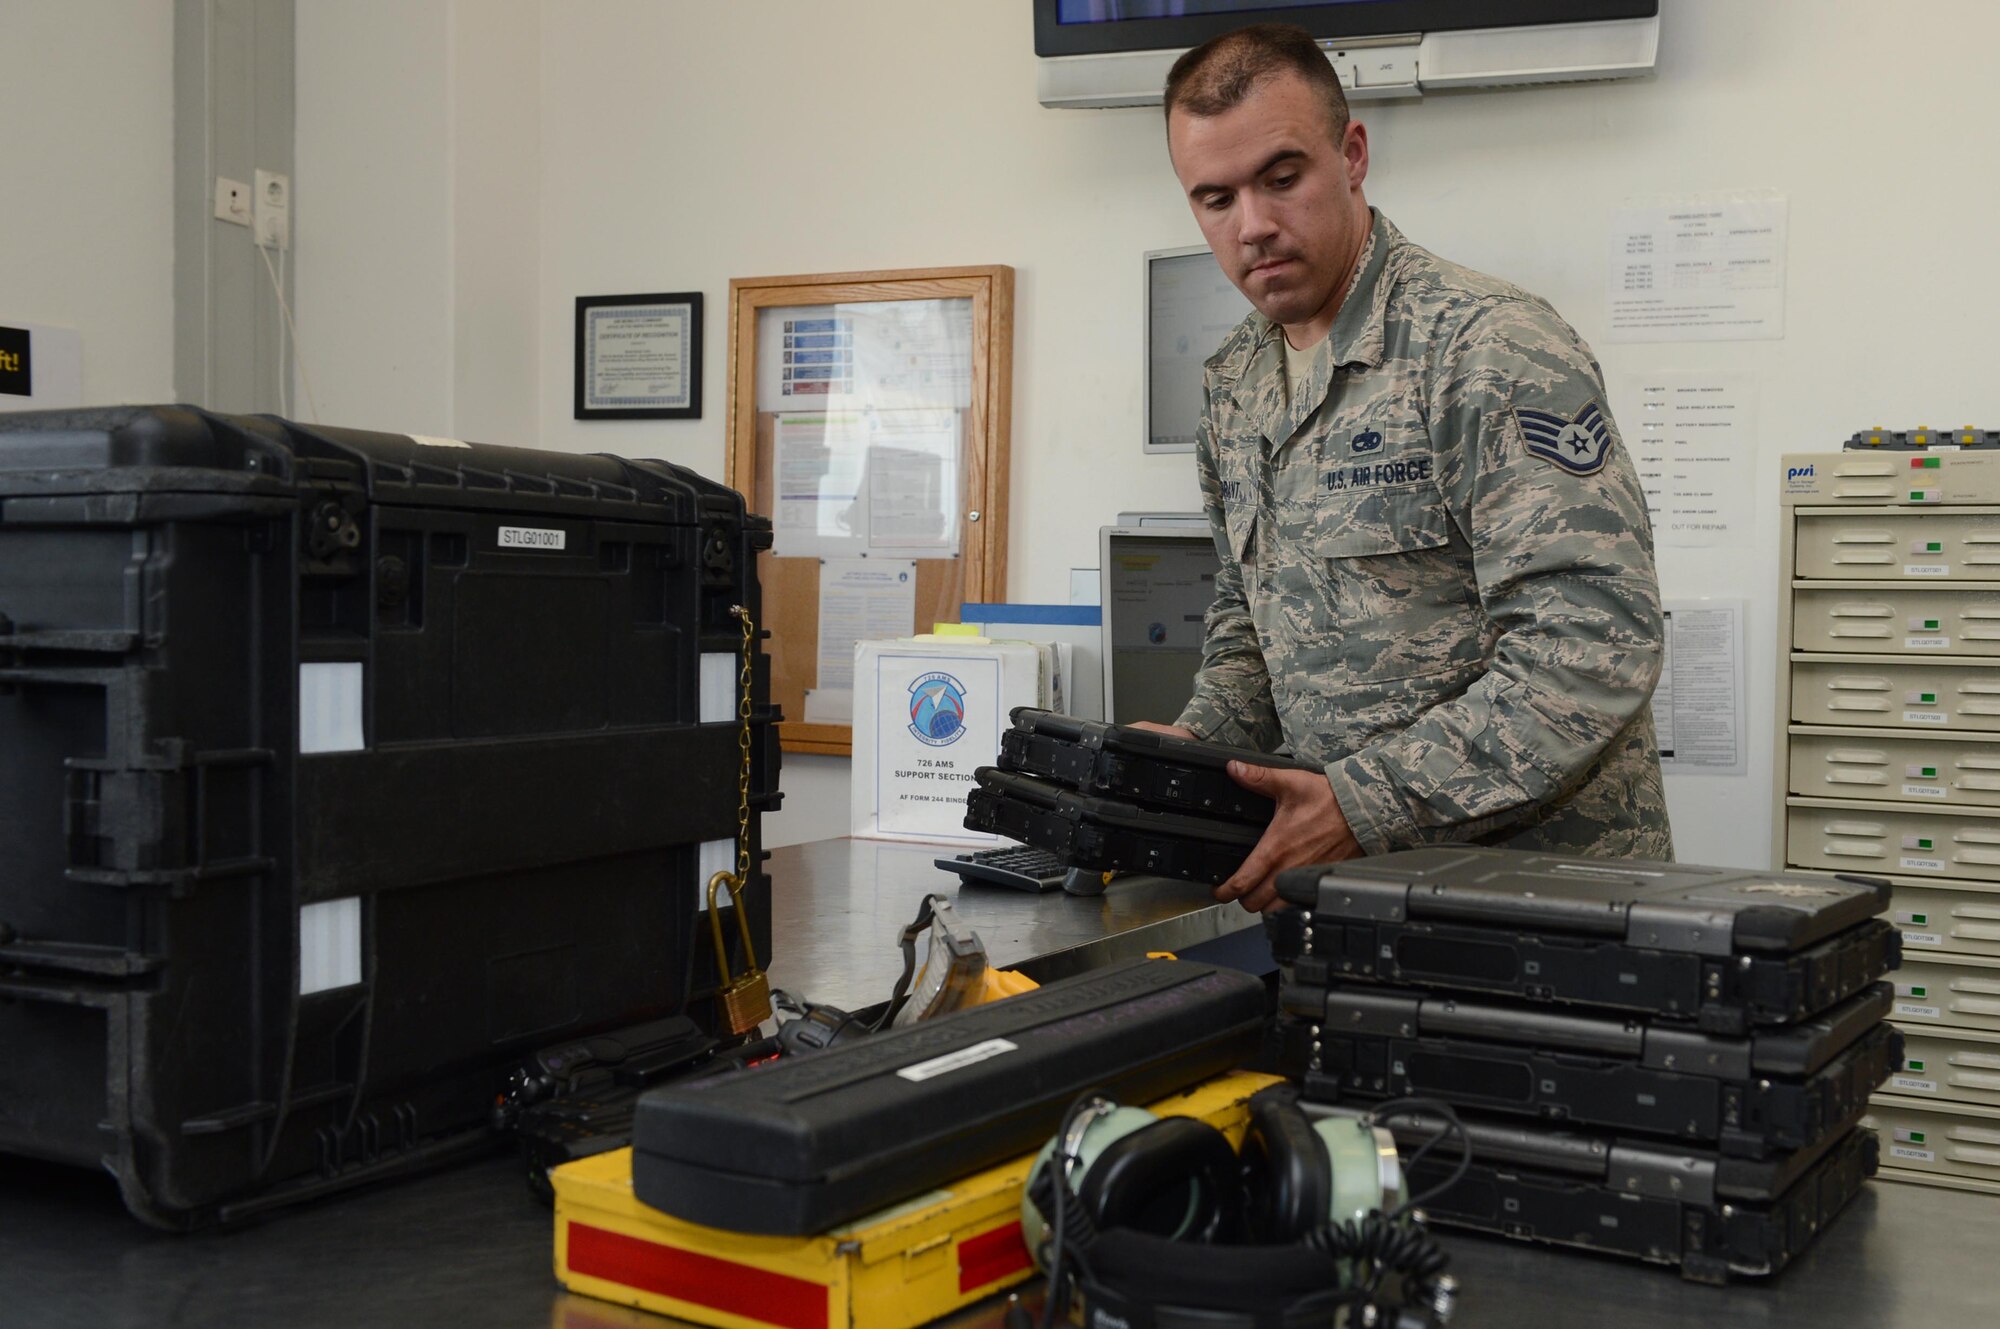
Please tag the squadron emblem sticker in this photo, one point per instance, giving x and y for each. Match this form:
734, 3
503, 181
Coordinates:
1579, 446
937, 710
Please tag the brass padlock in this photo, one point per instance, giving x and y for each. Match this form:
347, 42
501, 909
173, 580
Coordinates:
743, 1002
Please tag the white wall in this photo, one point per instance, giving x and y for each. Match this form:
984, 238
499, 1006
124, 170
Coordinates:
685, 143
372, 220
86, 185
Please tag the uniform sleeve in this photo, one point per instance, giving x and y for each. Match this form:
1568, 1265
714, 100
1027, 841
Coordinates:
1540, 485
1232, 692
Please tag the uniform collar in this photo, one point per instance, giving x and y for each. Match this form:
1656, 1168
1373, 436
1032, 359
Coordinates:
1356, 339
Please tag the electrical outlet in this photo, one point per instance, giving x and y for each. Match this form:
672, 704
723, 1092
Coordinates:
274, 210
232, 201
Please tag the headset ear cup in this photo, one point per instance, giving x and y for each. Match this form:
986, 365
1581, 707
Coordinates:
1176, 1178
1287, 1176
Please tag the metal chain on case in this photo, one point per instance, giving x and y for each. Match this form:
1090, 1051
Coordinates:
743, 743
744, 1000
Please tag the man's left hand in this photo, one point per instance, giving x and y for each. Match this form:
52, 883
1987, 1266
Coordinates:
1308, 827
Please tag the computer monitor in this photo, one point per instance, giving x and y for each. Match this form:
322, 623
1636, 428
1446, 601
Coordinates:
1190, 308
1157, 585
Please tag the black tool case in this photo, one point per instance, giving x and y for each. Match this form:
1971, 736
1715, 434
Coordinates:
1723, 947
809, 1142
1141, 765
1713, 1217
338, 771
1755, 1096
1115, 835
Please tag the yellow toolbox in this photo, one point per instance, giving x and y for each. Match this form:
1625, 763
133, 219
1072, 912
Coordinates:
901, 1267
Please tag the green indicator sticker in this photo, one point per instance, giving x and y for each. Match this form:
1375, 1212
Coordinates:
1920, 919
1916, 1137
1930, 696
1934, 547
1930, 772
1913, 1065
1916, 496
1923, 843
1916, 992
1933, 624
1931, 463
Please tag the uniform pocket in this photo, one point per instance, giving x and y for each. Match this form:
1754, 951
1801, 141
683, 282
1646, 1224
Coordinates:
1385, 521
1398, 585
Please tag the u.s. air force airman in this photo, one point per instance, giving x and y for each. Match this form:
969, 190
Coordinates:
1437, 576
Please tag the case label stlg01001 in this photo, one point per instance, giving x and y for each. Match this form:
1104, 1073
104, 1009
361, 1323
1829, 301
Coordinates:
529, 537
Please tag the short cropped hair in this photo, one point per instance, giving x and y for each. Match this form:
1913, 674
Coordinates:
1218, 74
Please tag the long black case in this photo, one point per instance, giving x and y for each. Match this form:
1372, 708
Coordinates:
809, 1142
1713, 1218
1771, 1092
1142, 766
1088, 831
1726, 948
338, 771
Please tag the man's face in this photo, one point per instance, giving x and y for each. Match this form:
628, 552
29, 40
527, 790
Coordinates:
1278, 199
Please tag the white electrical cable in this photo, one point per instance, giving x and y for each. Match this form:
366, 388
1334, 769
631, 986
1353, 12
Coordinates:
305, 379
284, 348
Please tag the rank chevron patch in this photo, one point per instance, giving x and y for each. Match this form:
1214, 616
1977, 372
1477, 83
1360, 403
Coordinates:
1579, 446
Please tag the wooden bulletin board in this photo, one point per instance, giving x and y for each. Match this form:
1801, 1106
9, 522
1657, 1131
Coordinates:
845, 350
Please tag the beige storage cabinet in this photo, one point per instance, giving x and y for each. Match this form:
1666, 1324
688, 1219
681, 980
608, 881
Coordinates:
1889, 743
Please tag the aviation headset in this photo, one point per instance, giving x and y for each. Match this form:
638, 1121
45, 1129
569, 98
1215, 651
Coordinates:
1310, 1217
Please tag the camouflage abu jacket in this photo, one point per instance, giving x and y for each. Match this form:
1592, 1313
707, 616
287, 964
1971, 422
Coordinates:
1437, 573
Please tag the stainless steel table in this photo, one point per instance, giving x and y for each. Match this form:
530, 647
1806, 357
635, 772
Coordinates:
469, 1247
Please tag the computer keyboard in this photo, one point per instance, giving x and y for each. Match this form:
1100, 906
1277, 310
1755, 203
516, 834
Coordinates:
1016, 866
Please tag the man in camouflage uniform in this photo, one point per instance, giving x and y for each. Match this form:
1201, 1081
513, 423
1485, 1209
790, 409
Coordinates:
1437, 575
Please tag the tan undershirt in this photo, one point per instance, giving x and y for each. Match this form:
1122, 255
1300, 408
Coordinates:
1298, 364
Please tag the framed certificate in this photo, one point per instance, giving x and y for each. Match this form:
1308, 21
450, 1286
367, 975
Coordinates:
638, 357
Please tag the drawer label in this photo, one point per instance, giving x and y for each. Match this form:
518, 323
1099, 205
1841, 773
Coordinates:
1923, 864
1922, 939
956, 1061
1913, 1084
1918, 1012
1926, 717
1913, 1154
1926, 569
1927, 643
1925, 791
528, 537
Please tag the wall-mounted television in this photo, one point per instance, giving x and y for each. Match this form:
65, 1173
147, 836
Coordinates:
1101, 53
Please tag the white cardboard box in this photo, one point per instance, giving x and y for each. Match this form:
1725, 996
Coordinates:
927, 714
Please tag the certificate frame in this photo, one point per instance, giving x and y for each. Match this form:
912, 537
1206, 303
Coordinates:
678, 316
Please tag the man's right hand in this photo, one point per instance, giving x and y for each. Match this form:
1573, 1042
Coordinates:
1176, 730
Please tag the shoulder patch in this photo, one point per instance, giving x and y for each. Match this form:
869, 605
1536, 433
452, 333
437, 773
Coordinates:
1578, 446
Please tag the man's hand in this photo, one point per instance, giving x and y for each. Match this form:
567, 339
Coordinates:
1308, 827
1175, 730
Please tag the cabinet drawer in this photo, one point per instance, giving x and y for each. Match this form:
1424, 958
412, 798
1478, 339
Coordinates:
1917, 546
1954, 1066
1958, 1141
1896, 620
1949, 993
1914, 841
1922, 770
1959, 920
1916, 695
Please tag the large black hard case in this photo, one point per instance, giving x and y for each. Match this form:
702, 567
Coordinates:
337, 771
814, 1141
1726, 948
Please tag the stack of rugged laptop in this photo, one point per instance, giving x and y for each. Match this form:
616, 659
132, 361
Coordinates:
1654, 1059
1121, 799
